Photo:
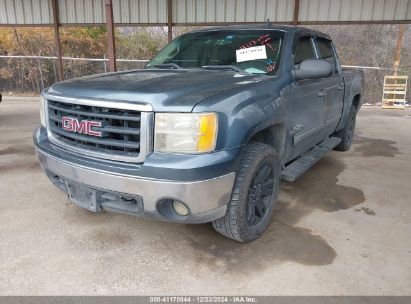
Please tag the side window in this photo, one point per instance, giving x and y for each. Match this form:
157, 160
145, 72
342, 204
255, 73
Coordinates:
326, 51
303, 50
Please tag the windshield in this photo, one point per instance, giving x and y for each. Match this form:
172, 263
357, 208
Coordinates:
255, 52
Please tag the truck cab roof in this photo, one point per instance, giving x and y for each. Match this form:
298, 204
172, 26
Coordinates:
265, 26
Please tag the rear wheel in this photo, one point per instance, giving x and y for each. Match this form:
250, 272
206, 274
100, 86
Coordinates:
347, 133
254, 193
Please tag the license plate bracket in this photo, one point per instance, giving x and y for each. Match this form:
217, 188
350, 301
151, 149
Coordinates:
83, 196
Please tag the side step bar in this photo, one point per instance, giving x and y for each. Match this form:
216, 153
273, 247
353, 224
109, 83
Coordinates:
308, 159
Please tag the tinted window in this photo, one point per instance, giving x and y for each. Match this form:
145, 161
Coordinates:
326, 49
256, 52
303, 50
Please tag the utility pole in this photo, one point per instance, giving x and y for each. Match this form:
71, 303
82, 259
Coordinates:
296, 12
400, 39
170, 20
111, 45
57, 41
395, 87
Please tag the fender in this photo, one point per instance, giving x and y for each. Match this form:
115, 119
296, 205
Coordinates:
354, 86
244, 113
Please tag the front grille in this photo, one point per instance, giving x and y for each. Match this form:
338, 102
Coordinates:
121, 129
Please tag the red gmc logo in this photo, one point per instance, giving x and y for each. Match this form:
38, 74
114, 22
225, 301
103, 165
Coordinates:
83, 127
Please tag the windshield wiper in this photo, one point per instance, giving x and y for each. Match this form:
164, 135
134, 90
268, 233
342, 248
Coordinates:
171, 65
223, 67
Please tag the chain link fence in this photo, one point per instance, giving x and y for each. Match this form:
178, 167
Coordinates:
31, 74
374, 81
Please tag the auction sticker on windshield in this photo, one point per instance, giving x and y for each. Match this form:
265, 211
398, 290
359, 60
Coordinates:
252, 53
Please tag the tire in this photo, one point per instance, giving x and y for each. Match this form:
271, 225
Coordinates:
252, 200
347, 133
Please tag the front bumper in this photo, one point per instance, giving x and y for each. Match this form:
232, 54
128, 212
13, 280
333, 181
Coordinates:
113, 190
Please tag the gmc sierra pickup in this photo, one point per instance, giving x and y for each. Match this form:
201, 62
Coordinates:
206, 132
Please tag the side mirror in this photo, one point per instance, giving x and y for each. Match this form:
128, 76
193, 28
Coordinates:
312, 69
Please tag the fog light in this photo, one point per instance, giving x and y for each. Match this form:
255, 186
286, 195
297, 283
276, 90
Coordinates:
180, 208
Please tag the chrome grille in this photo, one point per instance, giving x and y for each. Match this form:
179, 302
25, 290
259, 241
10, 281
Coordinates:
124, 137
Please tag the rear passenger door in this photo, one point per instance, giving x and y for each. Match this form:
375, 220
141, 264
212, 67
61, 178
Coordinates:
306, 102
334, 85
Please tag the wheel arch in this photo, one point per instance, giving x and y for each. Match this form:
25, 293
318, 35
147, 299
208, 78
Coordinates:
274, 136
356, 101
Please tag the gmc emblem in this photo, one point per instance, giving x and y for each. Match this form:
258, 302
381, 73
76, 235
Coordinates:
71, 124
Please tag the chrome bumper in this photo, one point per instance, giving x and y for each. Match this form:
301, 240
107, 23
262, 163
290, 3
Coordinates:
206, 199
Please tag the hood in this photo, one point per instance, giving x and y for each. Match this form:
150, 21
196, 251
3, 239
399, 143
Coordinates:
166, 90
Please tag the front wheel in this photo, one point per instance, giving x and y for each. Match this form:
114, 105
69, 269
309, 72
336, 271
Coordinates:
254, 194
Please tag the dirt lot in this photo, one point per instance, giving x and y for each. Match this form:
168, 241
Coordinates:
342, 228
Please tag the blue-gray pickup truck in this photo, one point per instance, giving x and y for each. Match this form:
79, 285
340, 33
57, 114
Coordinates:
206, 131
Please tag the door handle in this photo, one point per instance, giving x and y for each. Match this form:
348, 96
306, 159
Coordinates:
340, 87
321, 93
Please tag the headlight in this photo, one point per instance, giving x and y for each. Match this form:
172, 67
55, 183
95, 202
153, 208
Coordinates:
185, 132
42, 112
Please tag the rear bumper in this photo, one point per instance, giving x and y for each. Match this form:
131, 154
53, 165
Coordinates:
206, 199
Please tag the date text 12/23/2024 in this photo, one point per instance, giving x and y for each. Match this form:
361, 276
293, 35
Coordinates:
203, 299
